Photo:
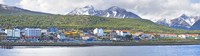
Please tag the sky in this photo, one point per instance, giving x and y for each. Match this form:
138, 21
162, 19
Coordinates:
148, 9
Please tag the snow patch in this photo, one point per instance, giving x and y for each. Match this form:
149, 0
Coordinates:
108, 15
124, 16
115, 13
190, 21
5, 7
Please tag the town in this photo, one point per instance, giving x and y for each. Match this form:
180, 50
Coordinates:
53, 34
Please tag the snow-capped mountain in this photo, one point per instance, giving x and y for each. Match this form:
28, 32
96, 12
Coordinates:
87, 10
196, 26
165, 22
182, 22
5, 9
185, 19
114, 12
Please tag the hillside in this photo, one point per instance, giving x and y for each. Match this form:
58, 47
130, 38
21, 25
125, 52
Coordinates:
69, 21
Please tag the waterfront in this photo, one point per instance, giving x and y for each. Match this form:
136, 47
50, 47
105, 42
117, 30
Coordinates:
177, 50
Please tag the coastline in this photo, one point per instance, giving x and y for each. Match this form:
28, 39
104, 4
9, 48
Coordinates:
101, 44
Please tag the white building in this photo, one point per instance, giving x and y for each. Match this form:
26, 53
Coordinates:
13, 32
123, 32
95, 31
101, 32
98, 32
182, 36
32, 32
44, 30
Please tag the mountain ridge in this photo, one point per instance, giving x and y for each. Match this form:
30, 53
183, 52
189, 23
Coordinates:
196, 26
113, 12
12, 10
181, 22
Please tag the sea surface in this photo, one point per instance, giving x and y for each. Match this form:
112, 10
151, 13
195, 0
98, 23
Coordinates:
179, 50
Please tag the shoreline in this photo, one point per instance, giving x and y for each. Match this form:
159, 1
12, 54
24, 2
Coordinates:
101, 44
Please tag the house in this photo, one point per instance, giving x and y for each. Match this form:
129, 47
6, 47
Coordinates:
138, 33
98, 32
198, 37
74, 32
168, 35
123, 32
113, 34
53, 29
145, 35
192, 35
188, 35
89, 37
3, 36
182, 36
2, 30
116, 39
13, 34
136, 38
44, 30
148, 36
62, 37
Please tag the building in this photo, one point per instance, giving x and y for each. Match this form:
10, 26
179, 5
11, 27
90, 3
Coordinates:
188, 35
53, 29
182, 36
98, 32
62, 36
44, 30
147, 37
32, 32
89, 37
3, 36
95, 31
191, 35
2, 30
13, 34
123, 32
113, 34
138, 33
168, 35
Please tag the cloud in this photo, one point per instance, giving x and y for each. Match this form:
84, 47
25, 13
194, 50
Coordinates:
2, 2
56, 6
150, 9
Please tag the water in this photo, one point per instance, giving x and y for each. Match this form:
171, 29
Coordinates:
184, 50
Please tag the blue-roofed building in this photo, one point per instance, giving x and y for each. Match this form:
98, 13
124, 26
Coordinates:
53, 29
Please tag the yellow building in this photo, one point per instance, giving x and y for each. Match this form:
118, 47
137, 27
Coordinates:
72, 32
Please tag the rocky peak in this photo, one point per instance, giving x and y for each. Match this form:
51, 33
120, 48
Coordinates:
184, 16
115, 8
89, 7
